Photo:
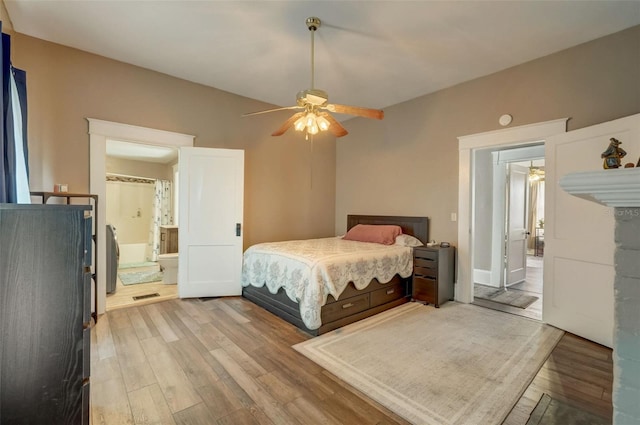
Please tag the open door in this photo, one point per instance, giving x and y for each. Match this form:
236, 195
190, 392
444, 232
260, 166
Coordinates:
516, 234
211, 191
579, 244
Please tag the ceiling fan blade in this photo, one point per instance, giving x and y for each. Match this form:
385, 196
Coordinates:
336, 128
270, 110
356, 110
288, 123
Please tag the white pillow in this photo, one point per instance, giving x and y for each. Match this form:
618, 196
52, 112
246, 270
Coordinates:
408, 240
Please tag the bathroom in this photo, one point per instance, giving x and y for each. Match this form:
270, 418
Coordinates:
141, 209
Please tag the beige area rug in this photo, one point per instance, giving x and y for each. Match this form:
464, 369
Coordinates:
459, 364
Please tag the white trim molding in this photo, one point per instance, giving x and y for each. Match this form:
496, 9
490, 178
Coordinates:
483, 276
514, 136
133, 133
614, 188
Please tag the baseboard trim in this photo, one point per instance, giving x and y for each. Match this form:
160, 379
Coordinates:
482, 276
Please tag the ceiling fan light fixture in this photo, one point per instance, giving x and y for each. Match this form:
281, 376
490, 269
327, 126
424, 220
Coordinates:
300, 124
314, 104
535, 173
323, 123
311, 119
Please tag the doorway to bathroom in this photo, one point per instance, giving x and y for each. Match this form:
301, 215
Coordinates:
211, 237
140, 208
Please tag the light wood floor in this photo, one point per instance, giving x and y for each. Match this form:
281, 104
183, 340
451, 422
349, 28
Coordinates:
123, 295
227, 361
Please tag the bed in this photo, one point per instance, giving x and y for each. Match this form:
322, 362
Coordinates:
335, 302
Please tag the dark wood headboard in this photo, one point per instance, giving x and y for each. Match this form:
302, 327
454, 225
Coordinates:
414, 226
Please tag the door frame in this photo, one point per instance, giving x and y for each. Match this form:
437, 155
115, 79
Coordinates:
99, 132
521, 135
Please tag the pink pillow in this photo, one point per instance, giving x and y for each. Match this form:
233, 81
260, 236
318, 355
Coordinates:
378, 233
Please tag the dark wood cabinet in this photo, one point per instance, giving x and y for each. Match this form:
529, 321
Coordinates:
45, 313
433, 274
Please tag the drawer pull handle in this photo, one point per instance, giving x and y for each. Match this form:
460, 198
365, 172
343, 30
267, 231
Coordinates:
347, 305
390, 291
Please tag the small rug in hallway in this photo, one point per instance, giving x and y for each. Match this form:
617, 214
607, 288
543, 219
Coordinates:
550, 411
459, 364
133, 278
512, 297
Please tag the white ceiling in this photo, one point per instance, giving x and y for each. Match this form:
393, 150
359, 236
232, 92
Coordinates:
368, 53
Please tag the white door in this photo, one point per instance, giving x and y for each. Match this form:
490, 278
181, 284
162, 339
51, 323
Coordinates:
211, 191
516, 234
579, 235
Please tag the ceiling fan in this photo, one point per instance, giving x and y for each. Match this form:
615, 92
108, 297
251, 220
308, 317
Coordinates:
536, 173
314, 106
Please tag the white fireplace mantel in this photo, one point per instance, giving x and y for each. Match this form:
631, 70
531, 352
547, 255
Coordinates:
618, 187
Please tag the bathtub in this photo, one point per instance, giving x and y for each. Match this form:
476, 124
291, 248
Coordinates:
133, 253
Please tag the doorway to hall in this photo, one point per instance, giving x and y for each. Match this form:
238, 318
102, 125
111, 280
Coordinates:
509, 230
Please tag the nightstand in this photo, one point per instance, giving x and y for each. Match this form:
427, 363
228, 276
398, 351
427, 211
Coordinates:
433, 274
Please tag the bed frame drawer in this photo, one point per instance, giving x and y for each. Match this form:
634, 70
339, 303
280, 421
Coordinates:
343, 308
390, 293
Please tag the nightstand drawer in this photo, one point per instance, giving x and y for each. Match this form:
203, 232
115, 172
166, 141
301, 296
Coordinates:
424, 289
421, 271
425, 255
425, 262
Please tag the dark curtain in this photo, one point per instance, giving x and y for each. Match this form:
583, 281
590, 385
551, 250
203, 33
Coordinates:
12, 183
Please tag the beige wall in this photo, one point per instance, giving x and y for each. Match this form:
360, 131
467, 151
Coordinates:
407, 164
289, 193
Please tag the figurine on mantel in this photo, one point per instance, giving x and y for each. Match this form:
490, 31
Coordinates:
613, 154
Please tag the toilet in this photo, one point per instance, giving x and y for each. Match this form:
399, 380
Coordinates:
169, 266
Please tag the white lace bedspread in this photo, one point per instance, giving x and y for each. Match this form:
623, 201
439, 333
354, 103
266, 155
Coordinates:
310, 270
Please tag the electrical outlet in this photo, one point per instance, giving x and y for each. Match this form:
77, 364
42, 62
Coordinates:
454, 216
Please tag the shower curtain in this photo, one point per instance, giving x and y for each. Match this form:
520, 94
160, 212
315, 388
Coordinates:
161, 216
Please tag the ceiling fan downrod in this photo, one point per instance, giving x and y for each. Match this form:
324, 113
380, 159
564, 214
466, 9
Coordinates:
313, 24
